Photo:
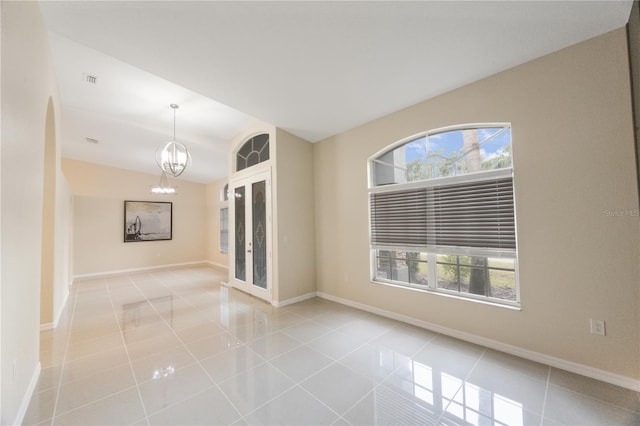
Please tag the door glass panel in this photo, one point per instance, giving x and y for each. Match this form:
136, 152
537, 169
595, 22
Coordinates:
259, 235
240, 233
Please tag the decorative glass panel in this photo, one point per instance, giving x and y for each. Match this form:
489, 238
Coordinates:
259, 235
224, 230
240, 233
254, 151
225, 193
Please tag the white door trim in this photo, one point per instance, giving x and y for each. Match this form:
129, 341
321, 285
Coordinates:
247, 286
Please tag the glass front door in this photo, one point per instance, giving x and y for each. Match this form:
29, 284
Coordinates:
259, 231
252, 235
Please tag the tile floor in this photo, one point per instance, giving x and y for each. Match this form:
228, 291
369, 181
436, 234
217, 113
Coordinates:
174, 347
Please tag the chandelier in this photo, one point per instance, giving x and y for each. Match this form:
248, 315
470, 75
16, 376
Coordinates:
163, 187
173, 158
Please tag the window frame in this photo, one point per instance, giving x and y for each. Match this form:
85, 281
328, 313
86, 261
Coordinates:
433, 252
266, 150
427, 133
432, 286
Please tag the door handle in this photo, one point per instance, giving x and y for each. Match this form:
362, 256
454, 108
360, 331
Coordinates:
249, 251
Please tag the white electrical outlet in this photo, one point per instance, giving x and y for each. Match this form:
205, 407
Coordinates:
598, 327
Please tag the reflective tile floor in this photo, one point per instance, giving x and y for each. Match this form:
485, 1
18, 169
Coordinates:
175, 347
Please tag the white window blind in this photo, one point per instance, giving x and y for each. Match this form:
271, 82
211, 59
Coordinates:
476, 214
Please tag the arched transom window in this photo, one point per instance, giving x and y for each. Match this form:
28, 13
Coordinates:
442, 154
252, 152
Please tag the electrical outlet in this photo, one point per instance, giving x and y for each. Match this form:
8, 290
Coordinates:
598, 327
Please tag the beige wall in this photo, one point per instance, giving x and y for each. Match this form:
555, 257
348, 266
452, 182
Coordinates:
294, 213
48, 219
99, 194
214, 204
573, 160
28, 84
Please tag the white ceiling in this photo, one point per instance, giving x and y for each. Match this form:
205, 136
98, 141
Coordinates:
312, 68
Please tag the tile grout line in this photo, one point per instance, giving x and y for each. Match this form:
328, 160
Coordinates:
70, 361
66, 351
381, 383
197, 361
86, 404
268, 361
464, 381
207, 389
126, 349
546, 392
335, 330
593, 398
295, 384
333, 362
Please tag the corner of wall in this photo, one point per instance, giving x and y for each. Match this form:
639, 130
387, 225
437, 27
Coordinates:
295, 200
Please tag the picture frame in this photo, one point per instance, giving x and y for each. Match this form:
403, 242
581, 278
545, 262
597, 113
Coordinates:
148, 221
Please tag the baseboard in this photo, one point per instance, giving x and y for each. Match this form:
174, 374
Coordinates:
217, 265
56, 321
61, 310
26, 399
294, 300
46, 326
115, 273
583, 370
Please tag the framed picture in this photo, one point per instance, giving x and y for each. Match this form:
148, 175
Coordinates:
147, 221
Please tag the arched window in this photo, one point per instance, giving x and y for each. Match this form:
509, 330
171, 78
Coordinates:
444, 153
442, 215
253, 151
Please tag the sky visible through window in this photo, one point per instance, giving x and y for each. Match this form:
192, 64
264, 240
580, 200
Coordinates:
444, 154
450, 144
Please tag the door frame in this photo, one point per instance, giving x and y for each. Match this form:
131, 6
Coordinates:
248, 287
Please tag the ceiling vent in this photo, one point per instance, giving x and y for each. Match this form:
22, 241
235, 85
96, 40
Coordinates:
91, 140
91, 79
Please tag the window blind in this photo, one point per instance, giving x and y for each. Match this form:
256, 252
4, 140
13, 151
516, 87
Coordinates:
469, 214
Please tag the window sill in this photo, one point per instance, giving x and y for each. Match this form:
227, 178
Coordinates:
511, 305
